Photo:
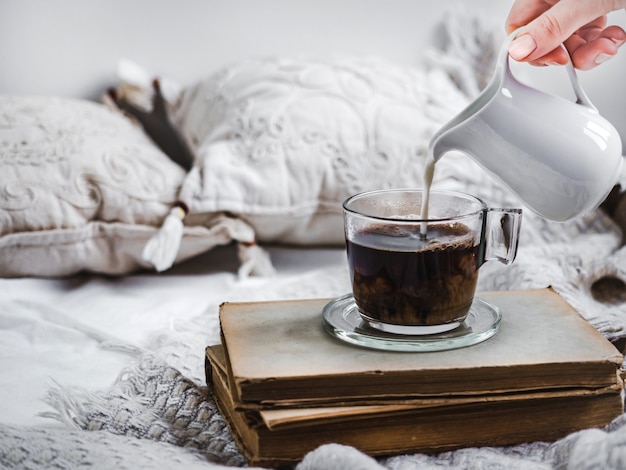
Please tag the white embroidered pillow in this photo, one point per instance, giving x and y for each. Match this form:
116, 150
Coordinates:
81, 188
281, 142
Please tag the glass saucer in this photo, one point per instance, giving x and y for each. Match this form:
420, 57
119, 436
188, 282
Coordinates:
343, 320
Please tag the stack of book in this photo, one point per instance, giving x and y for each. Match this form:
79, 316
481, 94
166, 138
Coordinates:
285, 386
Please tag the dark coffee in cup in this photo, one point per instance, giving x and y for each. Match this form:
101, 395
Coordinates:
400, 279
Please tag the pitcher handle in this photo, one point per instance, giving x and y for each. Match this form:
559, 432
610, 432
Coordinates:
501, 234
581, 96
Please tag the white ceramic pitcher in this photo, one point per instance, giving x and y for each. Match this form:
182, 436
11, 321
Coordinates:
561, 158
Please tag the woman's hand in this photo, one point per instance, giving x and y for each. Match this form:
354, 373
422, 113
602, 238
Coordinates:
579, 24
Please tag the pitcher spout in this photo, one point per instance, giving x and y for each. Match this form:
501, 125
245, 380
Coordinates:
453, 134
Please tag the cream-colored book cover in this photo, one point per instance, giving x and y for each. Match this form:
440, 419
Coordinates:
279, 353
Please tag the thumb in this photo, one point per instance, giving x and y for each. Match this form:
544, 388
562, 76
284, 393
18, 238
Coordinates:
550, 29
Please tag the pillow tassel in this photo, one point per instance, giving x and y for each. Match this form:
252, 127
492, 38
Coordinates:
162, 248
254, 261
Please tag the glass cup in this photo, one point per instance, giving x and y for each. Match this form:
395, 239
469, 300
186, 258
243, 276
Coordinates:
413, 276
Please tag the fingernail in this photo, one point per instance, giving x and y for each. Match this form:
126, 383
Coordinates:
618, 42
602, 58
522, 47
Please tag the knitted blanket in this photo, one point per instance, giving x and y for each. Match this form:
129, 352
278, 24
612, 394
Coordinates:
159, 412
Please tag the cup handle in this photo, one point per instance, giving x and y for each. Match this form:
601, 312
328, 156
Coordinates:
501, 234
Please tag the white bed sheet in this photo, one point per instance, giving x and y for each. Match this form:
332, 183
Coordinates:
56, 331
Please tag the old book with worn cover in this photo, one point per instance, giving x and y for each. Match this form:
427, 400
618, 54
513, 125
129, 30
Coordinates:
278, 354
283, 436
285, 386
